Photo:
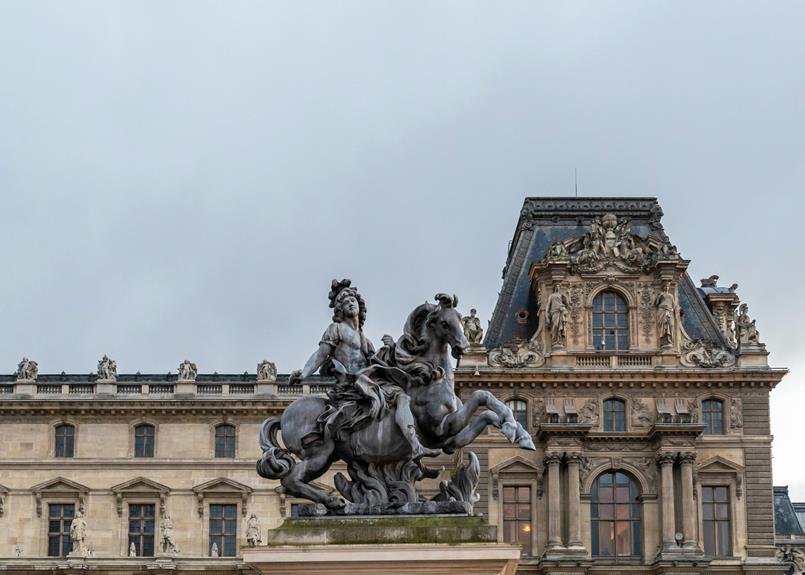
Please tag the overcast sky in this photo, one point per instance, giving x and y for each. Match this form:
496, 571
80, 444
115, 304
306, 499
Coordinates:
183, 179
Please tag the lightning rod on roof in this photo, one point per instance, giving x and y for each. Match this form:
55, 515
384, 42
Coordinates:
576, 181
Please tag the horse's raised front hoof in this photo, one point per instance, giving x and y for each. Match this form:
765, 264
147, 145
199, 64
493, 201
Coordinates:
509, 429
527, 443
334, 503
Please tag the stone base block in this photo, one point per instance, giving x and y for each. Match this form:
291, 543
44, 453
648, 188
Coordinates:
388, 559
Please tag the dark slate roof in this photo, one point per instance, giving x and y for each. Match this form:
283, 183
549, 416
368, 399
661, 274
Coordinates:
46, 378
786, 522
544, 221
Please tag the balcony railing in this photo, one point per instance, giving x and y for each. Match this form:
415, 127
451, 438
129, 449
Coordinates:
613, 361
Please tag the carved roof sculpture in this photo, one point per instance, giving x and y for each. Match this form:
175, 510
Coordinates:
591, 235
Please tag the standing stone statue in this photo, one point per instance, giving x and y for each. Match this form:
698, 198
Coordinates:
253, 536
168, 544
214, 549
472, 328
748, 334
107, 369
187, 371
556, 315
666, 313
18, 550
344, 350
266, 372
132, 550
78, 535
27, 370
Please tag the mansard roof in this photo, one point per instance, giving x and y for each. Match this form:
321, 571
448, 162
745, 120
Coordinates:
544, 221
786, 522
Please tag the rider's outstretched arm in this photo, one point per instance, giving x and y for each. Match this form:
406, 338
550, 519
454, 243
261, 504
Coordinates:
313, 364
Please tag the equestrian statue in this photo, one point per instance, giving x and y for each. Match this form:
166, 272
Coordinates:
388, 412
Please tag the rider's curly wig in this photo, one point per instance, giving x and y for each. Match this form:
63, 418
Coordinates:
338, 291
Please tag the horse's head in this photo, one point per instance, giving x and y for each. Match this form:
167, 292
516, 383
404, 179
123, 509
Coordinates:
444, 323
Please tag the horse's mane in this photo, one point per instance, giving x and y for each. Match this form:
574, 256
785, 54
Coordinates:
415, 336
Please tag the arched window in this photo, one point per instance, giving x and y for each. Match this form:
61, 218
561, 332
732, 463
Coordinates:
64, 440
615, 516
614, 415
713, 416
610, 322
225, 441
519, 410
144, 436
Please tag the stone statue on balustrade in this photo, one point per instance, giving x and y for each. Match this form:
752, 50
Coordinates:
27, 370
386, 413
266, 372
472, 328
748, 335
253, 531
187, 371
556, 316
107, 369
166, 536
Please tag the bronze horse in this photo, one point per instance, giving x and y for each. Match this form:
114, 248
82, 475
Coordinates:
378, 457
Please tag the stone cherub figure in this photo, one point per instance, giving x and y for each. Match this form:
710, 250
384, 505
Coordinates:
107, 369
472, 328
253, 536
166, 536
78, 535
556, 315
343, 351
27, 370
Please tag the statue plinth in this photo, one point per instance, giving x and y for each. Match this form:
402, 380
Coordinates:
388, 545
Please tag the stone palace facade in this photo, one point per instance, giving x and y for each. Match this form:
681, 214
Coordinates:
647, 397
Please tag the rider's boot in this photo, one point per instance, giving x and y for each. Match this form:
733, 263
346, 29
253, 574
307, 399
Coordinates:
418, 451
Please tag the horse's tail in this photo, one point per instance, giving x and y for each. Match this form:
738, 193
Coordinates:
276, 462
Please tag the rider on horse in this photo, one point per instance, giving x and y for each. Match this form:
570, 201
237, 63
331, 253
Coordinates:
363, 392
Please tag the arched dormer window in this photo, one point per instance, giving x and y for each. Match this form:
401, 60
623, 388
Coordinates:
144, 438
519, 410
615, 516
713, 416
225, 436
64, 444
610, 322
614, 415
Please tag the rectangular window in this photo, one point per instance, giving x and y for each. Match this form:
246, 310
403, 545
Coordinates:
65, 441
60, 516
716, 521
224, 529
517, 516
225, 441
144, 441
142, 526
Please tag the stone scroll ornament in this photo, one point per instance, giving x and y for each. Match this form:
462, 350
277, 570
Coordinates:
389, 411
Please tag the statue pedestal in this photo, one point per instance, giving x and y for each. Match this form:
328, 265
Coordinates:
462, 545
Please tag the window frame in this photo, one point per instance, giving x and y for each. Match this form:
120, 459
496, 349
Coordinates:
715, 521
57, 442
215, 429
622, 332
234, 535
636, 525
707, 422
607, 423
65, 542
155, 540
153, 443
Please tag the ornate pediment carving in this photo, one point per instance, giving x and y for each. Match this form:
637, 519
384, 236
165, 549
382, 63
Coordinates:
59, 487
516, 355
702, 354
610, 242
514, 466
140, 487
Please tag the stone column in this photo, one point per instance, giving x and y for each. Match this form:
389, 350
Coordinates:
686, 461
552, 461
574, 501
666, 463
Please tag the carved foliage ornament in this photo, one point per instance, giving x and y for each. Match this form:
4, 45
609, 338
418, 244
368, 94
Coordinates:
702, 354
516, 355
610, 241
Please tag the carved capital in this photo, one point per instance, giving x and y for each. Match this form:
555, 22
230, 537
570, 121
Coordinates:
552, 459
666, 458
575, 458
687, 458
